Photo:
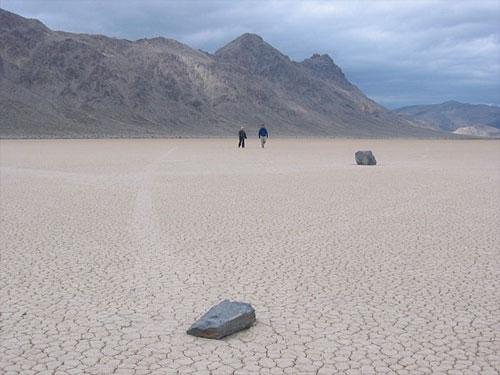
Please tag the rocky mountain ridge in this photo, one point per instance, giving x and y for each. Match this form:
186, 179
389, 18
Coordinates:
460, 118
59, 84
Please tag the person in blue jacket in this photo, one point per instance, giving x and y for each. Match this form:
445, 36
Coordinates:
263, 134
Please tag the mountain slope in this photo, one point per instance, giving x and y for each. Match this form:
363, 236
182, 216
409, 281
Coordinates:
452, 116
58, 84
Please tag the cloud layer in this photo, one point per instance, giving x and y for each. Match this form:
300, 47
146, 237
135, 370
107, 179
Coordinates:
398, 52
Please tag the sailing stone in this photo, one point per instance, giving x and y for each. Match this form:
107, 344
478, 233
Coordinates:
224, 319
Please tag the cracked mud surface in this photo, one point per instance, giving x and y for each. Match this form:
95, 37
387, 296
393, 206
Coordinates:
111, 249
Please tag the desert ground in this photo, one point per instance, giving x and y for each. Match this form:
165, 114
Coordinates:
110, 249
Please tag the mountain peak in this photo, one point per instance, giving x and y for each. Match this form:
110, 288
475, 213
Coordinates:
249, 38
19, 35
10, 21
252, 52
325, 58
247, 43
322, 66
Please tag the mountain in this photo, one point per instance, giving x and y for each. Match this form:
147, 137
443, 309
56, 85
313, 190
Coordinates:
59, 84
460, 118
478, 131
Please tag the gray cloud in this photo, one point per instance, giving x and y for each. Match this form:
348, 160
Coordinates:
398, 52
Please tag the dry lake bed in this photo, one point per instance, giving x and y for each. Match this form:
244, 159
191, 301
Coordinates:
110, 249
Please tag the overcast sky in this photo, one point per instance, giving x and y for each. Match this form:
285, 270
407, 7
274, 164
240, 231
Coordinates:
398, 52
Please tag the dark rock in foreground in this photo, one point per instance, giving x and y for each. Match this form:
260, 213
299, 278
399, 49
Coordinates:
223, 320
365, 158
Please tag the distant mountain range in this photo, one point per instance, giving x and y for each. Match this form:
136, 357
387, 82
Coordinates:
460, 118
59, 84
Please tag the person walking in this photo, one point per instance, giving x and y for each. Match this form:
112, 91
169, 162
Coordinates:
263, 134
242, 136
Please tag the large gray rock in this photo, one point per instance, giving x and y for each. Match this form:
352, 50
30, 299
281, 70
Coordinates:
223, 320
365, 158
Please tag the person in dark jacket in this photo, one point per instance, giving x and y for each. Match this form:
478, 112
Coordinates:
263, 134
242, 136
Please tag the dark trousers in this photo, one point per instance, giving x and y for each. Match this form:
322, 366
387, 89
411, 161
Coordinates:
241, 143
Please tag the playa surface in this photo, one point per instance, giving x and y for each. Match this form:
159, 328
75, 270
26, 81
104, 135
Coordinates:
110, 249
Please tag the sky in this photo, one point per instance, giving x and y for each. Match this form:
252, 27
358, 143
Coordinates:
398, 52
